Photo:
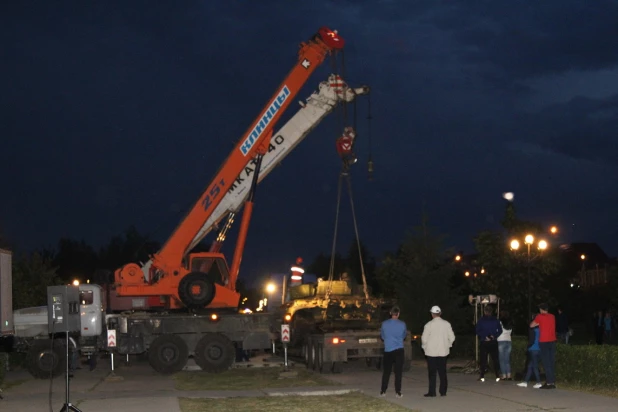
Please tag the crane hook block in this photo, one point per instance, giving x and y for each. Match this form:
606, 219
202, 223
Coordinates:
331, 38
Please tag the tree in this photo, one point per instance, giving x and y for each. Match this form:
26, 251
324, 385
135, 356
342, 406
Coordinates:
129, 247
322, 263
32, 274
353, 266
420, 275
506, 272
74, 260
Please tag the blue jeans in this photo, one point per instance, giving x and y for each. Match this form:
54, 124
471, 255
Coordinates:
533, 366
548, 357
504, 354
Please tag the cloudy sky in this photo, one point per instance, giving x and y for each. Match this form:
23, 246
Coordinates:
120, 113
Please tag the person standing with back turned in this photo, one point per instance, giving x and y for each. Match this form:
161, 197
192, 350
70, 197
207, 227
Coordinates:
488, 329
437, 339
547, 343
393, 334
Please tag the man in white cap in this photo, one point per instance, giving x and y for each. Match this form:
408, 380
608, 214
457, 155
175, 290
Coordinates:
437, 339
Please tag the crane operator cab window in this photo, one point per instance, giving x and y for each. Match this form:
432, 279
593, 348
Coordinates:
86, 297
214, 267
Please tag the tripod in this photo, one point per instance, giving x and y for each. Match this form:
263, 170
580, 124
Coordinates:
67, 405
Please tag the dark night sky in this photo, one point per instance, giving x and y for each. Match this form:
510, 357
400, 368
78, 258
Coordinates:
120, 113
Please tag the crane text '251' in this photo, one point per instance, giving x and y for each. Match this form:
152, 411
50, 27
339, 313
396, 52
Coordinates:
212, 194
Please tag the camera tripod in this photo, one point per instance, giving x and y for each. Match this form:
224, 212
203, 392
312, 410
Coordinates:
67, 404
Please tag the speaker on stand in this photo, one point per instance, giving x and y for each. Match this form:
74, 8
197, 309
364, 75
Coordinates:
64, 317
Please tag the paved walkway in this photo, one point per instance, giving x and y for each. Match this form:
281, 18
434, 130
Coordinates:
466, 394
139, 389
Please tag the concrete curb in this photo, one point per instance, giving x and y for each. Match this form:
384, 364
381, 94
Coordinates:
314, 393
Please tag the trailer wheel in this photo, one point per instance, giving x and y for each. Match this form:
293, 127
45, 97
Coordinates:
44, 358
168, 354
309, 355
315, 356
196, 290
214, 353
320, 362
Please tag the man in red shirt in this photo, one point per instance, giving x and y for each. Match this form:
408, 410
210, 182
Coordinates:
547, 342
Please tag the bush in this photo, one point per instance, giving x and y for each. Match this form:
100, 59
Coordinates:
594, 366
463, 347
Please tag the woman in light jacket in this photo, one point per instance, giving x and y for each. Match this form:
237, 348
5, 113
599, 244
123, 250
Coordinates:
505, 345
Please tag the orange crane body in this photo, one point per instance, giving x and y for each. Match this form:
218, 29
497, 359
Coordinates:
174, 273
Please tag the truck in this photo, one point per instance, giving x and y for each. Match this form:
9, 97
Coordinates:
333, 322
196, 280
198, 289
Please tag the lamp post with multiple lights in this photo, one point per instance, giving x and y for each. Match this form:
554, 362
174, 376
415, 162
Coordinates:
541, 246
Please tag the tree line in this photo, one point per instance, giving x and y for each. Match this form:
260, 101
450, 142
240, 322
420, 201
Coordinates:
420, 273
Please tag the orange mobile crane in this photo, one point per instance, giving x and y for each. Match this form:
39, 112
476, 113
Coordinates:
197, 280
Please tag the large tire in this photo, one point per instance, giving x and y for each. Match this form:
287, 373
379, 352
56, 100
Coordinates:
309, 357
196, 290
168, 354
322, 368
215, 353
44, 359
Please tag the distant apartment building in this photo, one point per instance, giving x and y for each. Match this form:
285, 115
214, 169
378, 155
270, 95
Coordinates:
590, 261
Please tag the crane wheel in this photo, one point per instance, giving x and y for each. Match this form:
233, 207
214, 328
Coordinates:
46, 358
168, 354
215, 353
196, 290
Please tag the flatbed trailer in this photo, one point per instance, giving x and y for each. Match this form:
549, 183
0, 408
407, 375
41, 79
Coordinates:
328, 352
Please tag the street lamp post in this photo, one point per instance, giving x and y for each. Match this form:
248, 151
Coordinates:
541, 245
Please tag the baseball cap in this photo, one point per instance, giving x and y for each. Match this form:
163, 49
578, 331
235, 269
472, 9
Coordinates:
435, 309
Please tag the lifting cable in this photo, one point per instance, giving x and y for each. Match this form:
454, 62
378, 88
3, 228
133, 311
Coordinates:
345, 174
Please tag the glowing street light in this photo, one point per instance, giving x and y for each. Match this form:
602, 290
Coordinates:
541, 245
553, 230
457, 258
270, 288
76, 282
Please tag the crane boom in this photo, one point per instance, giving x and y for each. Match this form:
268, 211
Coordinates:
174, 278
320, 104
255, 140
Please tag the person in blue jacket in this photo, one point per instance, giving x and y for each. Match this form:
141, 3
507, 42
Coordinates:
393, 333
488, 329
534, 351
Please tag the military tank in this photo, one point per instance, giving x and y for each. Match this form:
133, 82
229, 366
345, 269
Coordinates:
334, 322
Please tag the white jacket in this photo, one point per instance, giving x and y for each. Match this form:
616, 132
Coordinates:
438, 337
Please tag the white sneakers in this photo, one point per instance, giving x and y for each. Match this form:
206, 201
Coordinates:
525, 385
